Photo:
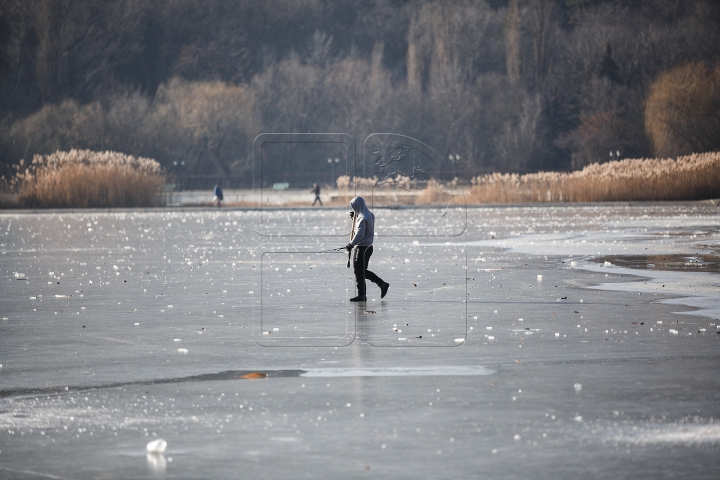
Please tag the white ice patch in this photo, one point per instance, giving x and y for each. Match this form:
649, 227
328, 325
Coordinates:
398, 372
636, 237
631, 241
157, 446
693, 289
689, 434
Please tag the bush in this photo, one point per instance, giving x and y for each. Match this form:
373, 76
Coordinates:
682, 114
87, 179
693, 177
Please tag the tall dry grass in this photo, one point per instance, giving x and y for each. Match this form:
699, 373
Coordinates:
88, 179
691, 177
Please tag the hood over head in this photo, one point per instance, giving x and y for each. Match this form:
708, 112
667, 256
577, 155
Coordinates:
358, 205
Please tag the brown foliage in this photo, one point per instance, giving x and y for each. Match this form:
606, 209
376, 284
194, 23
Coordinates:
208, 125
692, 177
595, 137
214, 121
682, 114
87, 179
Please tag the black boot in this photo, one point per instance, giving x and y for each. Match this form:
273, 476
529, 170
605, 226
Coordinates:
359, 298
384, 289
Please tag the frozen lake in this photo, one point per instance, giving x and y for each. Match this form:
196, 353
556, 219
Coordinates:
515, 342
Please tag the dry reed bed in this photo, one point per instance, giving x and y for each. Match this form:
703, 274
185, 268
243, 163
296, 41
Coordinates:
691, 177
88, 179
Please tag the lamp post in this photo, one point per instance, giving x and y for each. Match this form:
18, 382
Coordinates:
332, 169
337, 160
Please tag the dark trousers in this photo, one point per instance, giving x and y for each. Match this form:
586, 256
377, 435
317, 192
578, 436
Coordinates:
360, 265
317, 199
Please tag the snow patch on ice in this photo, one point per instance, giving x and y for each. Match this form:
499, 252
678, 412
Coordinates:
398, 371
689, 434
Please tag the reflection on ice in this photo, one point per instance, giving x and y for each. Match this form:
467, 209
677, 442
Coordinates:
156, 462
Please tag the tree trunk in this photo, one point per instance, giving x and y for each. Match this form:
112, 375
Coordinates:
513, 52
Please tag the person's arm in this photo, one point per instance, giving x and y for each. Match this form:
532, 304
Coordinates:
359, 233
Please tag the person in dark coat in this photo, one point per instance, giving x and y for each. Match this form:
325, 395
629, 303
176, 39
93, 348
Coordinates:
316, 191
218, 195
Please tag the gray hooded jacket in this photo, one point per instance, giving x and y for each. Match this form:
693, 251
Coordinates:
364, 233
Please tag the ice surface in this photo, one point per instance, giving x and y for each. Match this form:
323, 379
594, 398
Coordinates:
91, 376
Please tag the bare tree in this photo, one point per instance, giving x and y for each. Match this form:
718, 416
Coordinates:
513, 47
542, 29
81, 41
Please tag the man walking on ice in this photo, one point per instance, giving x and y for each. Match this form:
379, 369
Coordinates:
362, 235
316, 191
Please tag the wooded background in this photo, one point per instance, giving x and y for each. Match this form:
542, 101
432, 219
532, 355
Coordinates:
508, 85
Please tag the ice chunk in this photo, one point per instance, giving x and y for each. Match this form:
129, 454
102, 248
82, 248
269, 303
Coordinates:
176, 340
557, 334
607, 264
577, 387
539, 277
157, 446
20, 276
182, 350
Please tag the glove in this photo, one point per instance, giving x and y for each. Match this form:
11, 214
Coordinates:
352, 214
348, 247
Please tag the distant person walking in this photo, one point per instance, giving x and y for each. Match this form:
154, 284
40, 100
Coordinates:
218, 198
362, 236
316, 191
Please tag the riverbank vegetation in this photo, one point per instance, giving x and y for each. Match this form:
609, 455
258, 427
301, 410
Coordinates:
692, 177
87, 179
